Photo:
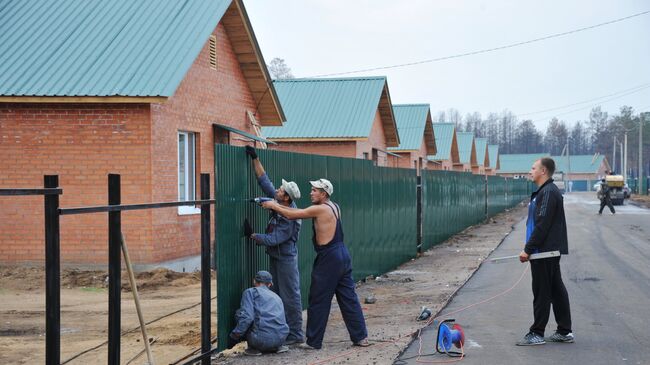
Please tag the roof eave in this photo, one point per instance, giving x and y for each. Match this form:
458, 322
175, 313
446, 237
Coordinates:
385, 108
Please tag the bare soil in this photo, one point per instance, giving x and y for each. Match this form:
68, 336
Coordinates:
84, 315
430, 280
641, 200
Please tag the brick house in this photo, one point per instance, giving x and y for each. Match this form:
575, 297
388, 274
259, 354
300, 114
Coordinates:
344, 117
135, 88
417, 139
518, 166
466, 152
446, 155
582, 170
495, 161
482, 156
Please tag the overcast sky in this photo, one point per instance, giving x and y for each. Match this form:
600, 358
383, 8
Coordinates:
331, 36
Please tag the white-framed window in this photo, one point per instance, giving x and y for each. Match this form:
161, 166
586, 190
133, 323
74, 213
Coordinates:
187, 171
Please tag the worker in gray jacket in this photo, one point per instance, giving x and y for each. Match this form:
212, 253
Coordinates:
260, 319
280, 240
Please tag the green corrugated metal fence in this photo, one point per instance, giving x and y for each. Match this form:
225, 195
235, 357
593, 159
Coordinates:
378, 213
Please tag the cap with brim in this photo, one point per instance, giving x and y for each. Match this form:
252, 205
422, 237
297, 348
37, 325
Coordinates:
291, 188
323, 184
264, 277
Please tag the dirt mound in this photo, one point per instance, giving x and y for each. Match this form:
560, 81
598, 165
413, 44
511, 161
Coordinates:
30, 278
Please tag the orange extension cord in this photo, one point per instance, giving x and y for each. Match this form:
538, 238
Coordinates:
419, 332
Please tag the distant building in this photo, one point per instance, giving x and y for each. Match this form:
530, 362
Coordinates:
466, 152
344, 117
417, 139
446, 155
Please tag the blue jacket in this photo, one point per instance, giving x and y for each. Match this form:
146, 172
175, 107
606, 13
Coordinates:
281, 233
546, 224
262, 312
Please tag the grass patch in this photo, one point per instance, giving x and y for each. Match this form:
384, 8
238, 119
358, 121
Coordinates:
92, 289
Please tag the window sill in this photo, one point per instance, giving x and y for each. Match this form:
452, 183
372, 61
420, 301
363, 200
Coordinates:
188, 210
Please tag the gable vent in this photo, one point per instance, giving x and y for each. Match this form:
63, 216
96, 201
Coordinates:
213, 52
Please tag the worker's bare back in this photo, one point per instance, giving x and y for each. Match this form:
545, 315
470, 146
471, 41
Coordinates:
325, 222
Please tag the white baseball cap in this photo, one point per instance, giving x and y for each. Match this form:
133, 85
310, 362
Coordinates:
323, 184
291, 188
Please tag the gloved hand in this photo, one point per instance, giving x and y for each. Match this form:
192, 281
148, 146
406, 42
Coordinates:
251, 152
248, 230
233, 340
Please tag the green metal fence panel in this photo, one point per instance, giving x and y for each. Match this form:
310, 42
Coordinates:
378, 215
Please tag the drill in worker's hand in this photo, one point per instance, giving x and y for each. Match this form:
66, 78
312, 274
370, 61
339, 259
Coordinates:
260, 200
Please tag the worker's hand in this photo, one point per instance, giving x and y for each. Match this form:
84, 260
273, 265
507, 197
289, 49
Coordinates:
248, 230
523, 256
250, 150
233, 340
271, 204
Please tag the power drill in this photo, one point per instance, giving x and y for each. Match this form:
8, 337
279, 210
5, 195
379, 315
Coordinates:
260, 200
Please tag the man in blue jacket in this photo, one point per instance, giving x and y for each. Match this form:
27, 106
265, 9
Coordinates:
280, 240
546, 231
260, 319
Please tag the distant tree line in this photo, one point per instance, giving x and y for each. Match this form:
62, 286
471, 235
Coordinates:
593, 135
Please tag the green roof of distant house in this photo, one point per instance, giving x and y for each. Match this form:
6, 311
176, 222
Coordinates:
493, 152
414, 127
481, 152
519, 163
466, 147
341, 108
445, 136
579, 164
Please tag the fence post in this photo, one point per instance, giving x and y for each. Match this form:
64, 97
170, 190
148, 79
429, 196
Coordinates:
419, 213
114, 270
52, 274
205, 269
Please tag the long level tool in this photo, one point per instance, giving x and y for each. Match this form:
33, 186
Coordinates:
535, 256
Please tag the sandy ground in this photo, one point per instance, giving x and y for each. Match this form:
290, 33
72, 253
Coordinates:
431, 280
640, 200
84, 315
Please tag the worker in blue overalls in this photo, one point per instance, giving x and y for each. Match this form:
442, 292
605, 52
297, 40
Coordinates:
260, 319
332, 271
280, 240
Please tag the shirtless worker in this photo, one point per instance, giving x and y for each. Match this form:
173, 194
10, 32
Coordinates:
332, 270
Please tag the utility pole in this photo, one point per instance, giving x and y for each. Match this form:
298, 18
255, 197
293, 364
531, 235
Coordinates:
622, 163
614, 156
625, 159
642, 189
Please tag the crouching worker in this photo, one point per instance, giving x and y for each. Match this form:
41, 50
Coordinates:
260, 319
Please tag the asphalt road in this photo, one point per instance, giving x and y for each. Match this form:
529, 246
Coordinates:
607, 275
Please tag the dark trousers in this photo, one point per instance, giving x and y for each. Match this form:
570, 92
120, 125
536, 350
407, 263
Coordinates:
548, 289
286, 284
607, 202
332, 274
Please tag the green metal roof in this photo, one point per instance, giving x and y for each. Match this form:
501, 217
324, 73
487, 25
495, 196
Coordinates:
411, 120
493, 153
580, 164
444, 133
327, 108
101, 48
519, 163
465, 143
481, 151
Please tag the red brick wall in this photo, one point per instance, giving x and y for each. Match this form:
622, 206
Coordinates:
84, 142
376, 139
81, 143
205, 96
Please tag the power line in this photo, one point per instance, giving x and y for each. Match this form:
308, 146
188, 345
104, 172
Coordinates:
486, 50
593, 105
640, 87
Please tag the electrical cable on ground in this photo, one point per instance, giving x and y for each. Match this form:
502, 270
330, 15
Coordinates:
418, 333
486, 50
